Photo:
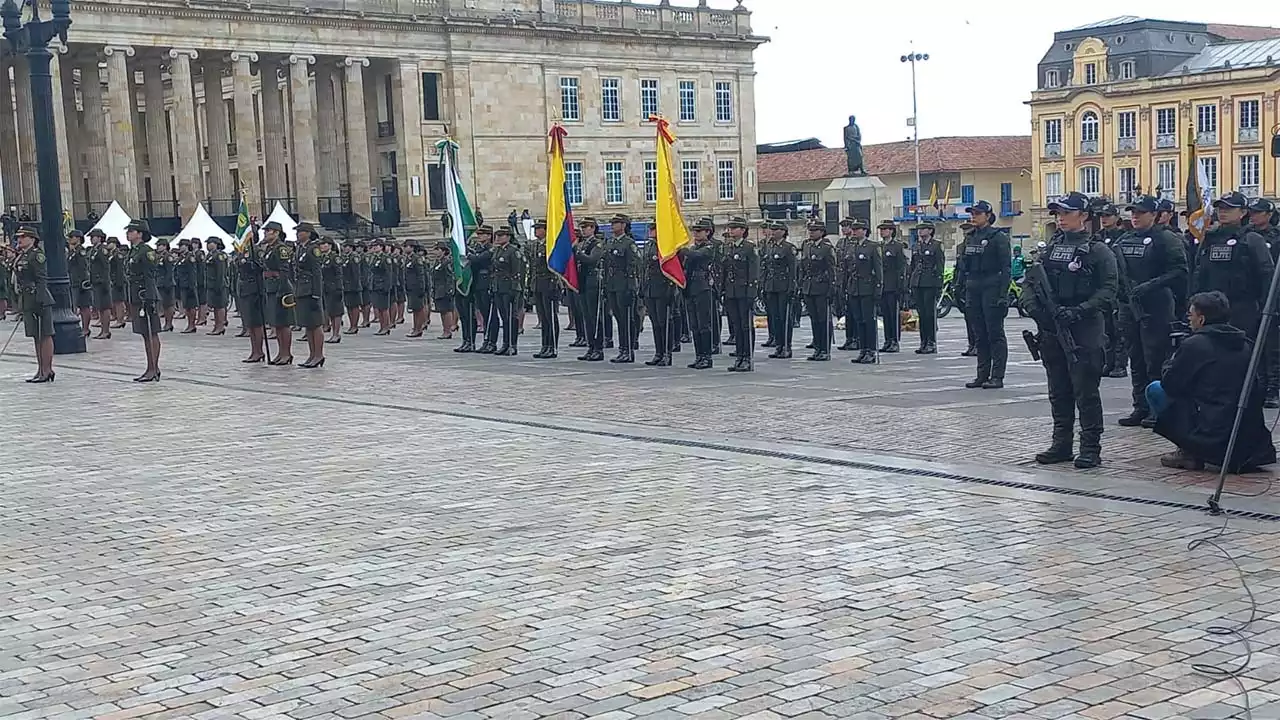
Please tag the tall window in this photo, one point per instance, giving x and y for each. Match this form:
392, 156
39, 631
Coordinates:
1052, 186
1167, 178
966, 194
1210, 166
610, 99
430, 96
650, 181
1051, 79
613, 182
573, 182
689, 180
688, 101
1053, 137
648, 98
1128, 70
1128, 180
726, 181
1206, 124
569, 108
1166, 127
1089, 127
1250, 175
1090, 74
724, 102
1090, 180
1127, 124
1248, 113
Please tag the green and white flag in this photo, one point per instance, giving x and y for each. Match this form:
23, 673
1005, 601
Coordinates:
462, 219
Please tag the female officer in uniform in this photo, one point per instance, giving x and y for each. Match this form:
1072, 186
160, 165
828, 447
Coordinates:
310, 314
144, 298
35, 302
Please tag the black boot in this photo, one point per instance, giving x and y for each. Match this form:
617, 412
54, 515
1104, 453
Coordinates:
541, 353
737, 365
777, 353
920, 350
931, 349
768, 343
848, 345
885, 347
1119, 372
702, 363
1058, 452
664, 361
976, 383
893, 347
465, 347
971, 352
993, 384
657, 359
868, 358
786, 354
1133, 419
1090, 457
506, 350
686, 338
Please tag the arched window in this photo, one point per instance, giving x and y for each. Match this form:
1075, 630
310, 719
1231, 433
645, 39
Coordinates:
1089, 133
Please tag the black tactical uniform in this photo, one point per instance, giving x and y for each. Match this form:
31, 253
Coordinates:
818, 285
659, 299
508, 289
862, 270
778, 270
622, 263
894, 253
1234, 260
985, 277
928, 263
1263, 219
1153, 268
1081, 277
1116, 357
547, 288
589, 254
699, 292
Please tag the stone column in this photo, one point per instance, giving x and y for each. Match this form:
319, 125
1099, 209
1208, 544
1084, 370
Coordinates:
61, 127
26, 131
375, 76
303, 151
186, 147
215, 124
9, 164
357, 138
326, 137
95, 131
246, 128
273, 130
406, 106
69, 130
161, 168
120, 100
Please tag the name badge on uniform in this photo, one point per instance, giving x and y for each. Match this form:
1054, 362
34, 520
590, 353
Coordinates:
1219, 253
1135, 251
1062, 253
972, 249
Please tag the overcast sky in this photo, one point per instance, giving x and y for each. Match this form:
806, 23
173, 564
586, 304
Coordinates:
828, 59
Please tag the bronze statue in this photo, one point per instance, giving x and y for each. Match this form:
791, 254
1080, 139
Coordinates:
853, 149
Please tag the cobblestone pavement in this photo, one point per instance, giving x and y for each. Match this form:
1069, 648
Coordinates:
252, 542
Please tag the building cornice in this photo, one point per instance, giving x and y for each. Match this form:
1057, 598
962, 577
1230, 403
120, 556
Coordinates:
1135, 88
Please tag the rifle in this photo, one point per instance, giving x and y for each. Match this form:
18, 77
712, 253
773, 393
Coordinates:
1038, 282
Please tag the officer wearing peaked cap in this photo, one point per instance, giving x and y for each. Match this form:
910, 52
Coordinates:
622, 264
894, 253
589, 253
35, 300
741, 275
852, 232
925, 277
779, 286
144, 296
700, 288
819, 285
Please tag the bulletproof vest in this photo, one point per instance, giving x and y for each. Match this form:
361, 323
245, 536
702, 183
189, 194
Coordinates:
1143, 259
979, 257
1228, 262
1066, 264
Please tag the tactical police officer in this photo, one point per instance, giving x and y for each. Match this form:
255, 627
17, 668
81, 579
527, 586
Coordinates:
1234, 260
1070, 290
622, 264
986, 277
1153, 268
1263, 219
779, 285
700, 289
894, 253
819, 285
741, 284
928, 263
862, 268
508, 288
1116, 357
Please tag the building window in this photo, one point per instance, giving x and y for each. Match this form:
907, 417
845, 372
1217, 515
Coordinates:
1051, 79
610, 99
1167, 178
1166, 128
648, 98
1091, 180
1209, 165
1089, 133
908, 199
689, 180
613, 182
688, 101
726, 180
430, 96
569, 109
650, 181
966, 195
1091, 74
1053, 137
1128, 70
1127, 130
1052, 187
724, 102
1250, 175
1248, 122
1206, 124
573, 182
1128, 181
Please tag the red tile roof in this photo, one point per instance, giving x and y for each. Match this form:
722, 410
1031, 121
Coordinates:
1244, 33
945, 154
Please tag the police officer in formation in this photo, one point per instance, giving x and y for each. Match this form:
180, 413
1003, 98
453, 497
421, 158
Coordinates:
622, 263
334, 301
1234, 260
35, 301
778, 279
852, 233
740, 275
660, 294
894, 253
251, 298
982, 274
861, 271
278, 284
700, 290
78, 274
166, 283
1070, 312
928, 262
589, 254
547, 289
1116, 356
1152, 268
820, 286
100, 278
216, 284
1263, 219
144, 297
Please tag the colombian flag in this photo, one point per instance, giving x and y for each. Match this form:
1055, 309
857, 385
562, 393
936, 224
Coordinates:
560, 229
672, 233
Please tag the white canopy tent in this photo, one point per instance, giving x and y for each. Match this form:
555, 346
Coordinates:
113, 222
280, 215
202, 227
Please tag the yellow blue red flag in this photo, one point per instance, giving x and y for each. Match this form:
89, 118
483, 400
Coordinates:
672, 233
560, 228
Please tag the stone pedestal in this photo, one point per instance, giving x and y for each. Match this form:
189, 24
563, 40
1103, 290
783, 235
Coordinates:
870, 197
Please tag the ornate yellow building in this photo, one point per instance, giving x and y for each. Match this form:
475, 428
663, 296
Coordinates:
1118, 100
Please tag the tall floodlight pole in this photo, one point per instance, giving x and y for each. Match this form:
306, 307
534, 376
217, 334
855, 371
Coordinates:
914, 58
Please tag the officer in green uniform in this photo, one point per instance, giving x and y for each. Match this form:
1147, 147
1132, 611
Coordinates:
443, 287
165, 283
819, 284
741, 283
333, 294
78, 274
251, 299
278, 284
508, 288
417, 286
477, 316
190, 280
894, 258
144, 298
352, 261
35, 301
589, 254
863, 273
779, 285
309, 312
1234, 260
380, 285
547, 288
119, 283
622, 263
660, 294
6, 283
398, 296
928, 263
852, 232
202, 286
987, 271
699, 291
215, 283
100, 278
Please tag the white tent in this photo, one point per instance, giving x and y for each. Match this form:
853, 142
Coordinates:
280, 215
113, 222
202, 227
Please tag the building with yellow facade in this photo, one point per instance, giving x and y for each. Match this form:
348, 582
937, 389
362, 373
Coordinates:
1120, 102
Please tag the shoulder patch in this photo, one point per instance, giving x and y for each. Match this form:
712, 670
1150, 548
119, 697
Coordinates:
39, 256
151, 255
285, 252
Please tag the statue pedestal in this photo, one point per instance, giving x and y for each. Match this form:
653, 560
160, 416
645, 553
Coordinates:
863, 197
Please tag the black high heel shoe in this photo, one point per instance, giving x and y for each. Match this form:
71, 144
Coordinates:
278, 361
313, 365
43, 378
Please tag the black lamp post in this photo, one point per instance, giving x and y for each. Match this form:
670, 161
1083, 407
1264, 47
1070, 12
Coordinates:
32, 39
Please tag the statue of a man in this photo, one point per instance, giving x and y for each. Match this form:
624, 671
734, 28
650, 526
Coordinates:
853, 148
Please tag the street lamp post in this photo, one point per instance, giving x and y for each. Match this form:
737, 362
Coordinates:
914, 58
32, 39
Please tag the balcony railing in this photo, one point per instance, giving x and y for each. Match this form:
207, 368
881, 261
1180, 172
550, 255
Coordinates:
1248, 135
1127, 144
1010, 208
1167, 140
1088, 147
911, 213
1250, 191
1053, 149
1207, 138
386, 129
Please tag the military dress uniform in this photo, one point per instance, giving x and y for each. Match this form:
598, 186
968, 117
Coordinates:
166, 280
480, 260
249, 287
144, 296
100, 274
699, 293
1235, 260
660, 295
928, 264
32, 282
589, 254
844, 249
622, 263
278, 282
819, 285
381, 283
309, 288
78, 274
894, 257
547, 289
778, 282
334, 291
741, 284
417, 280
862, 270
215, 278
188, 273
119, 279
984, 276
443, 283
508, 290
1081, 274
352, 282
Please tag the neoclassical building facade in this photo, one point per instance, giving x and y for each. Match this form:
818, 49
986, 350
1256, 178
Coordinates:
333, 107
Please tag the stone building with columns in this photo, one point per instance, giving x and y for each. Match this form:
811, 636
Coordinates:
333, 107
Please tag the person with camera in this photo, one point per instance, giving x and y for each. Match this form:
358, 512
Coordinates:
1234, 260
1195, 400
1264, 219
1154, 269
1069, 292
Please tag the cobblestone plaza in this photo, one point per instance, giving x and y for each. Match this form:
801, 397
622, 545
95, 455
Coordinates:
414, 533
